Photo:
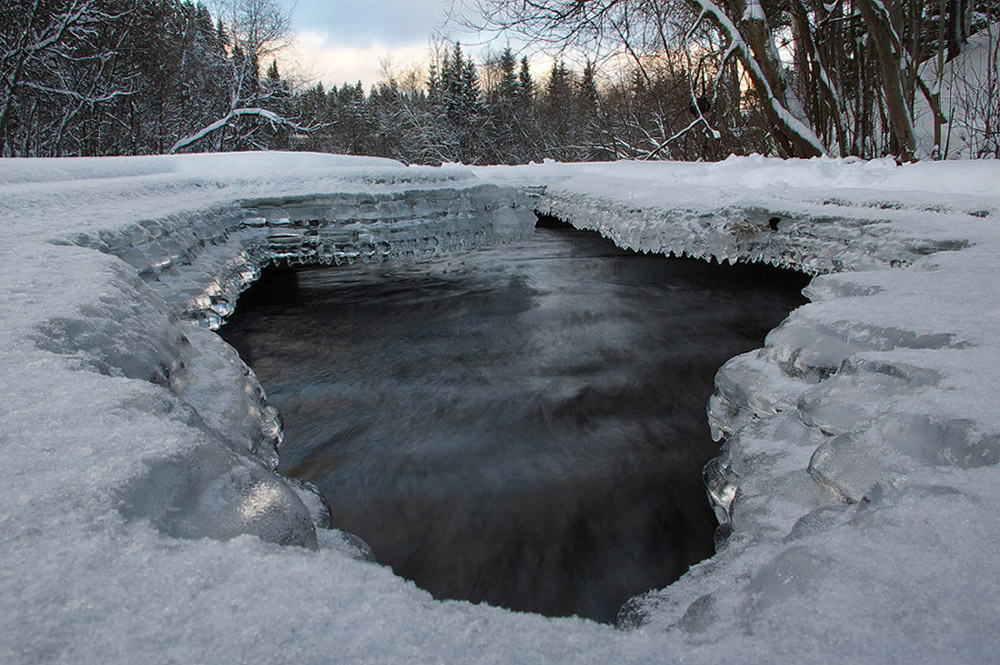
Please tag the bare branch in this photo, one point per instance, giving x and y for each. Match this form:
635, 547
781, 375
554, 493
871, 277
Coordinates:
273, 118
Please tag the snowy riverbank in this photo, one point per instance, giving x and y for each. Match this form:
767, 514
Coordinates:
863, 439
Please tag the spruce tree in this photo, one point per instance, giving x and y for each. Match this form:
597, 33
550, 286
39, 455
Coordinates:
504, 112
526, 84
587, 121
556, 111
508, 87
529, 137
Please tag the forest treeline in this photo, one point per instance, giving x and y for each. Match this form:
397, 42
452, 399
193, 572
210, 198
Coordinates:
691, 79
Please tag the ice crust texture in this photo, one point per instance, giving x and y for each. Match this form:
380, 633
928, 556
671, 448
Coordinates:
142, 522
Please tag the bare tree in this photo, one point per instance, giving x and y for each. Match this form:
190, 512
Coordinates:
256, 29
55, 54
640, 27
830, 76
883, 18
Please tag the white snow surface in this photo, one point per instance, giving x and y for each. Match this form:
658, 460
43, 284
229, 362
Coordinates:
968, 88
140, 522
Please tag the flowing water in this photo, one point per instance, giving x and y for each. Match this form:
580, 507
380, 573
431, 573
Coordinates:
524, 425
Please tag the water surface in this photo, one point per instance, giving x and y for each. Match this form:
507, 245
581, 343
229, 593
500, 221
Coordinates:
523, 425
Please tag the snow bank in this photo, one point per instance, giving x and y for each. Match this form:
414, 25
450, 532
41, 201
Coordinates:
141, 520
968, 98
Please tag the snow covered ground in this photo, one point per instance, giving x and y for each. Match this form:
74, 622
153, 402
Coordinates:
140, 522
968, 88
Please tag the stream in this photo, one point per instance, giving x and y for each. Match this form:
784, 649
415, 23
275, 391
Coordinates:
522, 425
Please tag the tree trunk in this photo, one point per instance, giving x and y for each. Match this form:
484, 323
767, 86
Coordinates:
957, 10
877, 15
755, 48
828, 112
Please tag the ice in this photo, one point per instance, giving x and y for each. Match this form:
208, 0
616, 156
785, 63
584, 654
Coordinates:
142, 521
218, 494
201, 262
345, 543
227, 397
846, 467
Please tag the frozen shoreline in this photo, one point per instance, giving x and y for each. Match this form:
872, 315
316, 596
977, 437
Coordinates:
863, 438
853, 438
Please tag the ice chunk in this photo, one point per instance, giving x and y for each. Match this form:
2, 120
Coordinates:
319, 510
130, 334
216, 493
847, 467
747, 387
938, 442
346, 543
722, 485
793, 574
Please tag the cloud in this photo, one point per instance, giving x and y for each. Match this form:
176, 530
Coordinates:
338, 41
319, 57
360, 24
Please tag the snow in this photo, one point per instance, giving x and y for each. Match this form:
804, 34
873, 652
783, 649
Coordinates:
141, 521
968, 96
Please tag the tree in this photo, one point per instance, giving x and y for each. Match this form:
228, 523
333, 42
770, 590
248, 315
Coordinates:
588, 121
883, 20
504, 111
527, 116
256, 29
556, 109
526, 85
848, 86
457, 109
180, 72
56, 61
91, 77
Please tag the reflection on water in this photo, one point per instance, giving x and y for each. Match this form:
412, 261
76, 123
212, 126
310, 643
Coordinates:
523, 426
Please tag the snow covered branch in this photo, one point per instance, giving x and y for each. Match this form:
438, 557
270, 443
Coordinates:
760, 61
270, 116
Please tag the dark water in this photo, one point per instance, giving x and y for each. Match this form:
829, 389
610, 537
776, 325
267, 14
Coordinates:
523, 426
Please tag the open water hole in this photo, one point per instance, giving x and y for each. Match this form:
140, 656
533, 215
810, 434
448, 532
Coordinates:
522, 425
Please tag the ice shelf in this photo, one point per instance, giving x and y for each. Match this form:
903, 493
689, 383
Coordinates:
142, 520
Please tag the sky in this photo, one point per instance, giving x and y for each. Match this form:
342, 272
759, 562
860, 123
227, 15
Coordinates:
343, 41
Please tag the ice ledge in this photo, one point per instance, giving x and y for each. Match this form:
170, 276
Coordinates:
199, 263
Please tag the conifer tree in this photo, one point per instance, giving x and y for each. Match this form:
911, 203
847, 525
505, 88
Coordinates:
526, 87
528, 145
587, 120
557, 105
505, 112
